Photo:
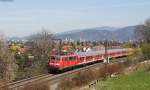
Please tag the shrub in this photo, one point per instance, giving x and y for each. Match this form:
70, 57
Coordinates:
115, 68
84, 77
135, 56
146, 50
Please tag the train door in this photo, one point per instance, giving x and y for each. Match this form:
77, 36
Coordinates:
97, 57
64, 62
72, 60
69, 61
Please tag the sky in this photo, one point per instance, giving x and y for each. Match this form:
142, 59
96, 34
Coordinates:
25, 17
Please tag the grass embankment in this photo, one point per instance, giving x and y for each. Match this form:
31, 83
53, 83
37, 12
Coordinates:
139, 80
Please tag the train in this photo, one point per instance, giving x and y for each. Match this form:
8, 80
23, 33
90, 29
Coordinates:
67, 61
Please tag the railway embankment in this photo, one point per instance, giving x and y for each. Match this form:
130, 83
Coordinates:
84, 78
91, 76
135, 77
68, 80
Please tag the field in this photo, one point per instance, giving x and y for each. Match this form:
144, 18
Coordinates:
136, 81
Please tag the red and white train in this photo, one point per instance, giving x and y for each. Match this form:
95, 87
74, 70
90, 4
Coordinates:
62, 62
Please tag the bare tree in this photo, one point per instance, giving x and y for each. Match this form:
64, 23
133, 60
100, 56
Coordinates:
146, 32
41, 46
143, 31
8, 67
42, 42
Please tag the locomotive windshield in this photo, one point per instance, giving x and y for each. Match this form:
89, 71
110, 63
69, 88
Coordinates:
55, 58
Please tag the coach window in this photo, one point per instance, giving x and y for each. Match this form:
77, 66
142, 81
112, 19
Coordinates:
89, 57
72, 58
82, 58
55, 58
66, 58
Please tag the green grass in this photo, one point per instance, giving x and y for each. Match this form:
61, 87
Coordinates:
134, 81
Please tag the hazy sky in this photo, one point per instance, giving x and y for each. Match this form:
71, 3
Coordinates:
24, 17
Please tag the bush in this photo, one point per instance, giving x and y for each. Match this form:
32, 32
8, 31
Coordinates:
135, 56
90, 75
78, 80
115, 68
146, 50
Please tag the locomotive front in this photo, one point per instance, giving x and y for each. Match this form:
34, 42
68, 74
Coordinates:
54, 63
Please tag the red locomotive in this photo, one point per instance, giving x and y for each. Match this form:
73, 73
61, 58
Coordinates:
62, 62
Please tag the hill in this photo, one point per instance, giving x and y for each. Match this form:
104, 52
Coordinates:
101, 33
98, 33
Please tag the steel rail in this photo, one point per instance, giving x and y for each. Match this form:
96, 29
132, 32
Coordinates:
26, 80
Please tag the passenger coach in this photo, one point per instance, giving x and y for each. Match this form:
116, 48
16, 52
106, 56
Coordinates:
62, 62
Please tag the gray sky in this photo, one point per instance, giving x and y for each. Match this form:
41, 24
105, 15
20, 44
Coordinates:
24, 17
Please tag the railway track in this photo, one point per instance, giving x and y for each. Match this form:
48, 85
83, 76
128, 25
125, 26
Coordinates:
25, 81
52, 79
